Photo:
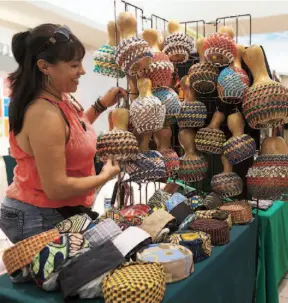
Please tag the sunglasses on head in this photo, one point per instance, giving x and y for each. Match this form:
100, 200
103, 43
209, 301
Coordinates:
61, 34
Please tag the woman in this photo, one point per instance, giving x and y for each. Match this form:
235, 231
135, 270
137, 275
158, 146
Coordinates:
50, 136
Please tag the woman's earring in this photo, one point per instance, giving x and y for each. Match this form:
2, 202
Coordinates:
48, 79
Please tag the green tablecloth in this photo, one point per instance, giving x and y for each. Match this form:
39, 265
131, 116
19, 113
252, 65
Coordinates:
228, 276
273, 251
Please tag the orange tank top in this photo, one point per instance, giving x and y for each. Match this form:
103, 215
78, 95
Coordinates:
80, 152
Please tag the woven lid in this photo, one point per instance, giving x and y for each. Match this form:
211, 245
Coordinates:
176, 260
240, 211
198, 242
154, 223
129, 239
103, 231
135, 282
23, 252
75, 224
218, 230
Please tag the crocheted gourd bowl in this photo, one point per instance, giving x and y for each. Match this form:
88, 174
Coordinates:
192, 114
104, 62
178, 47
227, 184
160, 71
130, 52
233, 83
203, 77
119, 145
210, 140
268, 177
238, 149
147, 114
192, 170
266, 105
220, 49
170, 99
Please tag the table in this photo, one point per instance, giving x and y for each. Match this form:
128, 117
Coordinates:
273, 251
228, 276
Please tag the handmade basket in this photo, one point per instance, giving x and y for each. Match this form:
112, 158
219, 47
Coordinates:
203, 77
104, 62
240, 211
170, 99
192, 170
192, 114
129, 52
160, 71
266, 105
148, 165
135, 282
233, 83
210, 140
178, 46
268, 177
227, 184
118, 145
216, 215
172, 162
220, 49
238, 149
147, 114
218, 230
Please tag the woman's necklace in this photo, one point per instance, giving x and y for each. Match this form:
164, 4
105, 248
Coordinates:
51, 93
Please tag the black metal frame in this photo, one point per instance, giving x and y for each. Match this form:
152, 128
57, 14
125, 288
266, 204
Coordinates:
137, 8
156, 21
218, 20
197, 26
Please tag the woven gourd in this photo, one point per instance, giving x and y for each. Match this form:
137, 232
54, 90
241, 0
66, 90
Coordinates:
238, 149
170, 99
240, 211
218, 230
148, 165
135, 282
233, 83
210, 140
104, 62
227, 184
159, 71
147, 114
192, 114
266, 102
192, 170
268, 177
220, 49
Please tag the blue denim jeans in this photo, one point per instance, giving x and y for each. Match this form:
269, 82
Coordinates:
19, 220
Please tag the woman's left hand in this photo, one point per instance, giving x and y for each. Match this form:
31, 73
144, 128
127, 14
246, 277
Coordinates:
111, 97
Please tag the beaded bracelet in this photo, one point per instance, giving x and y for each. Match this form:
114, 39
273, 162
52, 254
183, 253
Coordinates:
98, 107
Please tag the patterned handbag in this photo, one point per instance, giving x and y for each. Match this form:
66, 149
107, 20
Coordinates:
135, 282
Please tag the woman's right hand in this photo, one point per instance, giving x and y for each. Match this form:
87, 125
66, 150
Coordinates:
110, 169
